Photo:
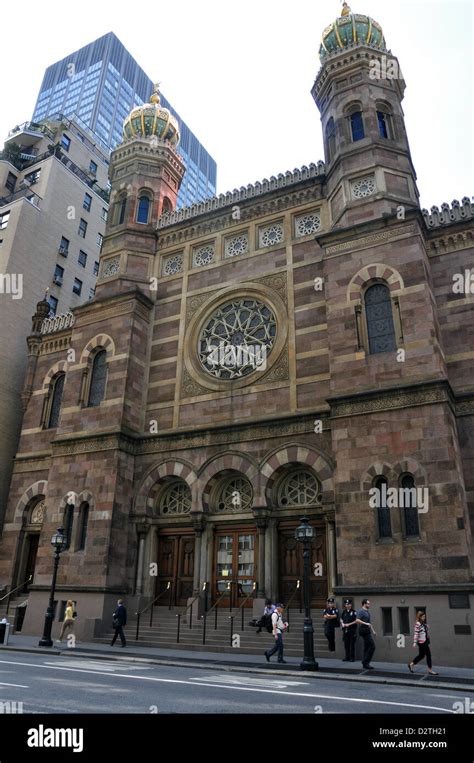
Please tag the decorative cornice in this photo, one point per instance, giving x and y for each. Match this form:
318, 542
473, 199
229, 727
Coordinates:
455, 213
390, 399
245, 193
373, 238
57, 323
451, 242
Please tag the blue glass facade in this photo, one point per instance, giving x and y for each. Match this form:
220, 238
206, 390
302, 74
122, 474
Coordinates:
99, 85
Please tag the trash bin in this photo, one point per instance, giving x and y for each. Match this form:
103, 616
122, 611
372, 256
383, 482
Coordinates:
4, 633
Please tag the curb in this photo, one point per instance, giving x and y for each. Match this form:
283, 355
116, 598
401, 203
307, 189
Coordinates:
235, 668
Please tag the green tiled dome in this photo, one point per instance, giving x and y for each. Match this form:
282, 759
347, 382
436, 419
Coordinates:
152, 119
348, 29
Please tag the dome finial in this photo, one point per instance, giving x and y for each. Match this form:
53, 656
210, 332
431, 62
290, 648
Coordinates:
346, 11
155, 97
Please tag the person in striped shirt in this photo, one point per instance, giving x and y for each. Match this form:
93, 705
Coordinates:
421, 639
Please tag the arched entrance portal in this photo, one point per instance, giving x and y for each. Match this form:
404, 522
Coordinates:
33, 517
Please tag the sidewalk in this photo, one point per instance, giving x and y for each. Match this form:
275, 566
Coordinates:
385, 672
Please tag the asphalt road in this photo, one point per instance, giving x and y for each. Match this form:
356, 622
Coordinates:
63, 684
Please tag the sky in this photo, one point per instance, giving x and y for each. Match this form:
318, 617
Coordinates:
240, 75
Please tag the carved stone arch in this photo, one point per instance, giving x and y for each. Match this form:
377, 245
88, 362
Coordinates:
369, 274
37, 489
410, 466
377, 469
149, 487
296, 453
229, 461
104, 341
57, 368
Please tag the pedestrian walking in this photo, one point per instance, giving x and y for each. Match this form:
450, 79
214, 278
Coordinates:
119, 619
68, 622
266, 619
421, 640
278, 629
331, 622
366, 631
349, 633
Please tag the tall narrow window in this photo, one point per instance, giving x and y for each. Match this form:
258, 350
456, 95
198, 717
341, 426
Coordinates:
121, 211
98, 379
357, 126
330, 139
383, 122
167, 205
410, 506
383, 512
379, 317
56, 402
83, 521
68, 523
143, 209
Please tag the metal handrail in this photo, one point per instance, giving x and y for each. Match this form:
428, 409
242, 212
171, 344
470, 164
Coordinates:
17, 588
206, 614
181, 614
138, 614
254, 586
224, 593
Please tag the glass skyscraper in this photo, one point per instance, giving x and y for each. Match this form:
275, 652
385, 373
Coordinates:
99, 85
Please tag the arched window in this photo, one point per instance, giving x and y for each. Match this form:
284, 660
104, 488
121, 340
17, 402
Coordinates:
83, 521
68, 523
233, 493
299, 487
167, 206
56, 401
121, 208
384, 524
143, 209
176, 498
98, 379
383, 122
379, 317
330, 139
410, 506
357, 125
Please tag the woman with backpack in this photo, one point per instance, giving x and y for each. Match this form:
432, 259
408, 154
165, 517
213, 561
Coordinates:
421, 639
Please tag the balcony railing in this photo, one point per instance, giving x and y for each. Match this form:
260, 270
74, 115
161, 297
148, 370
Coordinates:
31, 127
23, 193
57, 323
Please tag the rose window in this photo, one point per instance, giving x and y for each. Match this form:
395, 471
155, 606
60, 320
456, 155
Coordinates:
237, 339
173, 265
271, 235
299, 488
363, 187
176, 499
203, 256
237, 245
235, 494
307, 224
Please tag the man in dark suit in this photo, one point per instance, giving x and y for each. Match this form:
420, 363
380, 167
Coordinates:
119, 619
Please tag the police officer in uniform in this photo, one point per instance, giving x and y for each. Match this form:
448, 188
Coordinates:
349, 632
331, 622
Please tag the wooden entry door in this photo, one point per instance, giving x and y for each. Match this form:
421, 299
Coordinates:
32, 551
234, 566
175, 565
291, 564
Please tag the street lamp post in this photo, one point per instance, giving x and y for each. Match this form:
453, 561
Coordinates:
304, 533
58, 542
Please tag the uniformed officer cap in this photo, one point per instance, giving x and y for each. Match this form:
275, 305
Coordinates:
347, 601
331, 601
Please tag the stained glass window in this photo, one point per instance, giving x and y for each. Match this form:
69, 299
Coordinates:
383, 511
56, 402
378, 311
143, 209
98, 379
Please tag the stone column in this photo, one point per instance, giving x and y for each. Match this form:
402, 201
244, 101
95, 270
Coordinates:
331, 552
142, 531
261, 519
197, 518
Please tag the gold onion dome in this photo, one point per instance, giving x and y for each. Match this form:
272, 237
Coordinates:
350, 29
152, 119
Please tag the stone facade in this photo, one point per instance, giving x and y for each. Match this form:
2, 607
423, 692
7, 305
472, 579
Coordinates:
205, 471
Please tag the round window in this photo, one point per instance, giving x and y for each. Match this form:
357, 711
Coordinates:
237, 339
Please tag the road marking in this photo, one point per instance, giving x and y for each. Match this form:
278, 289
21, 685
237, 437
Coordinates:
234, 688
18, 686
96, 664
274, 683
